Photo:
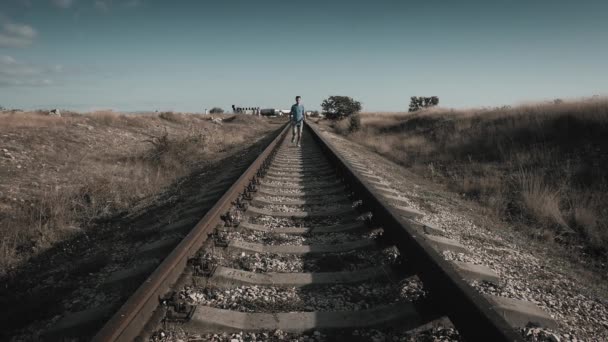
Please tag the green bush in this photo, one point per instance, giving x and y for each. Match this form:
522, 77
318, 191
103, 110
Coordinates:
338, 107
419, 102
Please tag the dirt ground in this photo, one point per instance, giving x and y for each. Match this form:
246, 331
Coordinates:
74, 190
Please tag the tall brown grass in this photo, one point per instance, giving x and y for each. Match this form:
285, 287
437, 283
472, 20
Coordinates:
540, 200
543, 165
96, 166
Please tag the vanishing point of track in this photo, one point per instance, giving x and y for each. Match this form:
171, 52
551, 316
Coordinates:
344, 230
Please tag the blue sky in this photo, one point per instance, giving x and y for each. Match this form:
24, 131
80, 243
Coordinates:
189, 55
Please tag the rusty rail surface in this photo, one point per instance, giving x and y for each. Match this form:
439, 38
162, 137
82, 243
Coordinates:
471, 313
130, 320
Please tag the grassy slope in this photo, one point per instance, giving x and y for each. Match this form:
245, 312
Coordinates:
59, 174
540, 166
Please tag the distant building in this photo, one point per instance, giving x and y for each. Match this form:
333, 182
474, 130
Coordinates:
268, 111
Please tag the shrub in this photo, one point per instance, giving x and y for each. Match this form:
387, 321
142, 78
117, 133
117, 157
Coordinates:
160, 145
216, 110
341, 126
170, 116
540, 201
354, 123
419, 102
177, 151
338, 107
107, 118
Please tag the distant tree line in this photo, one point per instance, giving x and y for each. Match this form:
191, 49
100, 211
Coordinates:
419, 102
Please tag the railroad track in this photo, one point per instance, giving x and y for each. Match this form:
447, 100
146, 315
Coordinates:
308, 242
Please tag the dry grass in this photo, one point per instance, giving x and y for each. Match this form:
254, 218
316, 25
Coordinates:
541, 201
542, 165
341, 126
172, 117
58, 175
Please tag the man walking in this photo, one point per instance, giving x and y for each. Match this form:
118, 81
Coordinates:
297, 120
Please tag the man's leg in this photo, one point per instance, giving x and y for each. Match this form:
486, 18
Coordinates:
300, 133
293, 133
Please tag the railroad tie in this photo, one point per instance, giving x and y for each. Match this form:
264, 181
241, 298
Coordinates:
303, 260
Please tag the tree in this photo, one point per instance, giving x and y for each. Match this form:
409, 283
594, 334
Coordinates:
216, 110
338, 107
419, 102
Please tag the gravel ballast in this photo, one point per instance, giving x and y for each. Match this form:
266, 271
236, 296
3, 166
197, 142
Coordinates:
266, 262
327, 298
434, 334
309, 222
296, 240
527, 269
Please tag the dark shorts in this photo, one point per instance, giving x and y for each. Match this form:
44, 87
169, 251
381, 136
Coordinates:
296, 126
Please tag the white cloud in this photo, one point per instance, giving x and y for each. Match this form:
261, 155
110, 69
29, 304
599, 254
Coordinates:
14, 73
20, 30
16, 35
19, 70
9, 41
7, 60
9, 83
63, 3
9, 66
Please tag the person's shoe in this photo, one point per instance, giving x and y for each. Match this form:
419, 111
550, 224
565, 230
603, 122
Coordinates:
299, 145
293, 141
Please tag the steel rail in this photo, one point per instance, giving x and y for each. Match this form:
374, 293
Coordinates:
131, 319
470, 311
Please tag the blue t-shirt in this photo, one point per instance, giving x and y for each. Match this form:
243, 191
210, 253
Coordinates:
297, 113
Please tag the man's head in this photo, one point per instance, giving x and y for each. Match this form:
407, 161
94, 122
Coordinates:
298, 99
